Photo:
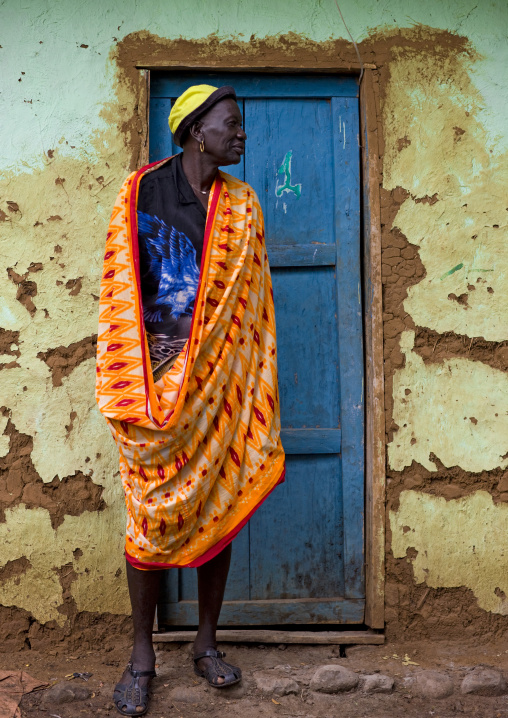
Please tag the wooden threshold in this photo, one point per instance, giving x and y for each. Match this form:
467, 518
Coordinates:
267, 636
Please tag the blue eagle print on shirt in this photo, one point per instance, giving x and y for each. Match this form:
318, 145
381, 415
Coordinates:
171, 265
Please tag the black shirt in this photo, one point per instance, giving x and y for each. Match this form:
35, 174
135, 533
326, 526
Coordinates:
171, 228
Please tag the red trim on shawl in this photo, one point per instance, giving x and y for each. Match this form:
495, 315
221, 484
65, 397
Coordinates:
214, 550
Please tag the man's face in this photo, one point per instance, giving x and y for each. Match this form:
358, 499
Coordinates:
223, 134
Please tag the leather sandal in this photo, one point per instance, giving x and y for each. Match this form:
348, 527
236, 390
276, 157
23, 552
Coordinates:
128, 698
217, 669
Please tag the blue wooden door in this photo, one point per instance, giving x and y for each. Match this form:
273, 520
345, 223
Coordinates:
300, 558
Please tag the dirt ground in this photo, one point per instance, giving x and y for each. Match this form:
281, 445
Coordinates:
178, 693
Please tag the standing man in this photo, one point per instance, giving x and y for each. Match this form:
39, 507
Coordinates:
187, 372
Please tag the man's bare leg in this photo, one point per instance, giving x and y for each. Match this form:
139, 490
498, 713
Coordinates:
143, 593
144, 589
212, 577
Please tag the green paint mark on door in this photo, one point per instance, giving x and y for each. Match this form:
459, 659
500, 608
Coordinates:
285, 169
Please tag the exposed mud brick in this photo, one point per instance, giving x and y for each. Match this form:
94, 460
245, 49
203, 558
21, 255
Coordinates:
8, 338
272, 685
376, 683
83, 631
392, 594
14, 626
451, 482
432, 613
434, 347
333, 679
484, 681
62, 360
20, 483
66, 692
14, 568
433, 684
393, 328
26, 290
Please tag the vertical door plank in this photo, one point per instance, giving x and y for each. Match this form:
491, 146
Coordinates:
347, 214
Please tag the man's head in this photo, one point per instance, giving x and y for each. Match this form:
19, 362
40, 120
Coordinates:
209, 118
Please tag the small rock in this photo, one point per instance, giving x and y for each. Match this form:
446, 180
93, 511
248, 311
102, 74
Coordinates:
66, 692
432, 684
281, 646
333, 679
270, 684
376, 683
283, 668
484, 681
239, 690
187, 694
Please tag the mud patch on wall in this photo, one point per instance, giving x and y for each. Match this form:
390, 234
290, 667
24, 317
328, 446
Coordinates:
26, 289
434, 347
14, 568
419, 611
83, 631
401, 267
9, 347
20, 483
67, 575
455, 410
455, 544
62, 360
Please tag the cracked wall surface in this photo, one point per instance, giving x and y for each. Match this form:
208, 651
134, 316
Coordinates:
446, 332
468, 551
75, 114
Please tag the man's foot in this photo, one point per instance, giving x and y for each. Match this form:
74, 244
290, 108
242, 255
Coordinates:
131, 696
219, 674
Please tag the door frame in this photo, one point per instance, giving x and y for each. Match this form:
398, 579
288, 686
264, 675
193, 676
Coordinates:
370, 166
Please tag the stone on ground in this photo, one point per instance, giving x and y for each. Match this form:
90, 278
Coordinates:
270, 684
239, 690
66, 692
484, 681
432, 684
333, 679
376, 683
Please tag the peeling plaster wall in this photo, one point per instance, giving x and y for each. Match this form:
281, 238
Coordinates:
454, 410
73, 109
447, 171
467, 553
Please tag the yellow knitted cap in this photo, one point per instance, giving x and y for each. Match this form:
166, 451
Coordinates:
192, 103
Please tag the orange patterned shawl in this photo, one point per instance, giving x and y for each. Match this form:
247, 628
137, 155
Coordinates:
200, 449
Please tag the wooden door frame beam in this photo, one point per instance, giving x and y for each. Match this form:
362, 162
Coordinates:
375, 466
375, 476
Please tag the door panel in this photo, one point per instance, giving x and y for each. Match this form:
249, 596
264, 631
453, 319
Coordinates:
284, 140
307, 346
300, 558
277, 569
